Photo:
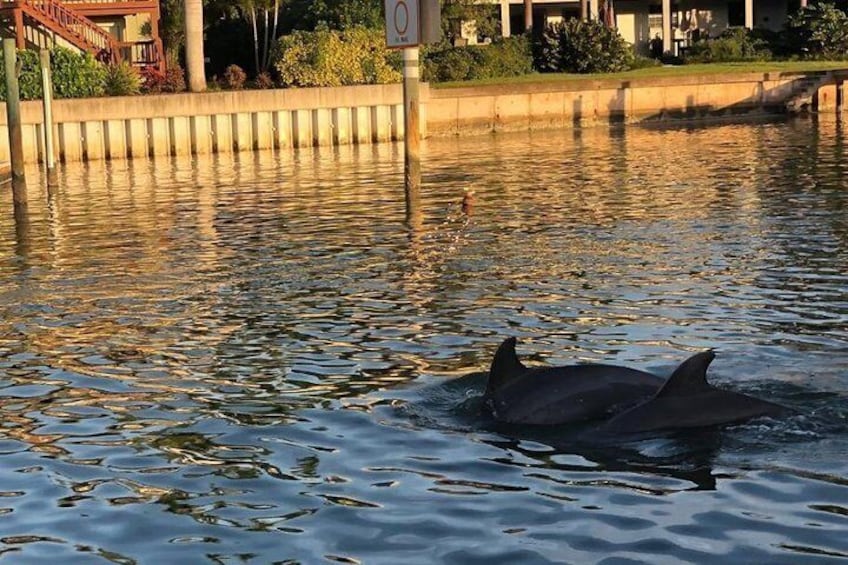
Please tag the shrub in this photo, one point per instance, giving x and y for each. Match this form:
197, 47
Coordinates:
578, 46
447, 65
152, 80
174, 79
122, 80
76, 75
640, 62
334, 58
29, 79
264, 81
818, 31
234, 77
734, 44
510, 56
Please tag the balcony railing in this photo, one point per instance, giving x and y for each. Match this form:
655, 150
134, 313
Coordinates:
142, 53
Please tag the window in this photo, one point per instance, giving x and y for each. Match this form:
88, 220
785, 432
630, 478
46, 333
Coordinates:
735, 13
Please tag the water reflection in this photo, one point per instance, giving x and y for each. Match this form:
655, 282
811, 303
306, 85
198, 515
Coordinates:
240, 341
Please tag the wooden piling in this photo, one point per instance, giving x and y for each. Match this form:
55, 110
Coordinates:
13, 117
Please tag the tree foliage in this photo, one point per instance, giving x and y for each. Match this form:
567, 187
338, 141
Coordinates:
819, 31
333, 14
335, 58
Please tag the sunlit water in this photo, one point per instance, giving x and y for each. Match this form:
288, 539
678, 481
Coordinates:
257, 359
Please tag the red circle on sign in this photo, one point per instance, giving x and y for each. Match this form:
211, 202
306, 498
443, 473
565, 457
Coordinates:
398, 6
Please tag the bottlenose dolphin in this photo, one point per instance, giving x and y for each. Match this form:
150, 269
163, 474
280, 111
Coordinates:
559, 395
687, 400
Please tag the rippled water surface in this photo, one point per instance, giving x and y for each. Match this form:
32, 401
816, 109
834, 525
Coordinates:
257, 359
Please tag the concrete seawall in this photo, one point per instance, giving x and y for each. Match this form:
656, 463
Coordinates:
183, 124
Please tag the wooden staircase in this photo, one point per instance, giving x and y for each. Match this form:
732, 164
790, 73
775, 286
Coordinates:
72, 27
63, 20
803, 99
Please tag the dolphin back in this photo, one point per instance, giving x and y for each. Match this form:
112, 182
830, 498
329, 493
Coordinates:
505, 366
690, 377
687, 400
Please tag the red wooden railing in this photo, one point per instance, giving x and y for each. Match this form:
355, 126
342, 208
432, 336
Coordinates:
75, 28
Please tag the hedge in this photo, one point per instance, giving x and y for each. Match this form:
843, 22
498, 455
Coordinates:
510, 56
335, 58
74, 75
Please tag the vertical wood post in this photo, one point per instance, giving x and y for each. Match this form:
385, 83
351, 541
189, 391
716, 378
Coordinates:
13, 115
20, 38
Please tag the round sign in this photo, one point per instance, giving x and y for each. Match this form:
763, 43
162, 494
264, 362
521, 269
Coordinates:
401, 17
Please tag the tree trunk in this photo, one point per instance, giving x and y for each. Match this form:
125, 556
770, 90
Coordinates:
267, 47
255, 37
528, 16
194, 45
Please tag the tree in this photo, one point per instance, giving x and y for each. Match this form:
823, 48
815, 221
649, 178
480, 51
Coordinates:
172, 30
193, 15
333, 14
268, 11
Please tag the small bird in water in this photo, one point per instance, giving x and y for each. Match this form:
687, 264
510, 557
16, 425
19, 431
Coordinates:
468, 200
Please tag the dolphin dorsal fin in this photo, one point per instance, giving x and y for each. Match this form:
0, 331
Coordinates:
505, 366
690, 377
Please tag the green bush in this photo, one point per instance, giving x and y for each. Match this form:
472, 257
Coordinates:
577, 46
734, 44
122, 80
641, 62
29, 79
510, 56
447, 65
74, 75
818, 31
335, 58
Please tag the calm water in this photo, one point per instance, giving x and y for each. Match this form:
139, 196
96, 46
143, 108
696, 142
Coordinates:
255, 359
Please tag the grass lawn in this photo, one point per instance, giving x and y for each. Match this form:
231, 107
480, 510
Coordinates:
659, 72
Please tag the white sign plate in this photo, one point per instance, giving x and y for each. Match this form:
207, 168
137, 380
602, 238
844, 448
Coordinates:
402, 25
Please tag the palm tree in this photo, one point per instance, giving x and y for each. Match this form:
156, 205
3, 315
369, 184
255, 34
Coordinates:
194, 45
252, 10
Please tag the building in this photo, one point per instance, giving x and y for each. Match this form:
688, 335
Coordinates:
111, 30
676, 22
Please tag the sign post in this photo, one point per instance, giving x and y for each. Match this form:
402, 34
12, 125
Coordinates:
403, 31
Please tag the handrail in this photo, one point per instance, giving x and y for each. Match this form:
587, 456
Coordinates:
84, 29
87, 35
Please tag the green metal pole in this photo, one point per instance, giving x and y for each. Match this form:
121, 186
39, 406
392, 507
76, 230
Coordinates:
13, 114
